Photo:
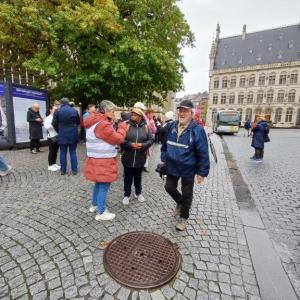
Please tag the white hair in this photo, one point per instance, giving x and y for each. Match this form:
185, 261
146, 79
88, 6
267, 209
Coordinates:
106, 105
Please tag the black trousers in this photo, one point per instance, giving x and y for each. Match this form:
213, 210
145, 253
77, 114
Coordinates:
53, 149
259, 153
132, 175
35, 143
184, 200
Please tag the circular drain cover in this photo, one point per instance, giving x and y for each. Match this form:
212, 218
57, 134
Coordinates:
142, 260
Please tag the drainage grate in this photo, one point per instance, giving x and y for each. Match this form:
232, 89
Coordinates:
142, 260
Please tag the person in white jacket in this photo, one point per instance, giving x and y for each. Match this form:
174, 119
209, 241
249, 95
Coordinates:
52, 140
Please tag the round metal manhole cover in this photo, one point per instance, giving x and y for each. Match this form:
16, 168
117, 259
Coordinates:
142, 260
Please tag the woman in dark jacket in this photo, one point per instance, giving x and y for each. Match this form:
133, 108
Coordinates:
35, 128
138, 139
260, 133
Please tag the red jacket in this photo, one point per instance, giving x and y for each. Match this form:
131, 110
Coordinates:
104, 169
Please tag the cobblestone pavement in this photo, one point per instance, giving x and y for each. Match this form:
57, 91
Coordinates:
275, 188
49, 243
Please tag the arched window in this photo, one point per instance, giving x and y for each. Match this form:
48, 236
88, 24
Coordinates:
292, 96
289, 114
215, 99
250, 98
233, 82
248, 115
261, 79
241, 113
294, 77
272, 78
241, 98
223, 99
260, 97
270, 95
278, 114
282, 78
280, 96
232, 98
224, 82
216, 83
242, 81
252, 80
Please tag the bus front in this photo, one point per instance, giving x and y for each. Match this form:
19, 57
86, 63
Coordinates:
228, 122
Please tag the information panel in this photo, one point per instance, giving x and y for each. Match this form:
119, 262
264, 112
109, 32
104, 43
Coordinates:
23, 99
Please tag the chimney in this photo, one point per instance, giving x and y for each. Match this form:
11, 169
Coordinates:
218, 30
244, 32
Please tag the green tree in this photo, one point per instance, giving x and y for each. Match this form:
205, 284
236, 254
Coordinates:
122, 50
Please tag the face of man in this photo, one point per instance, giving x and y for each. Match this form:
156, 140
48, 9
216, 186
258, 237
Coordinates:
110, 114
36, 107
185, 115
135, 117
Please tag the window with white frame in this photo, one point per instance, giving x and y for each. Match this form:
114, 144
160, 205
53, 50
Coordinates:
292, 96
252, 80
216, 83
224, 83
280, 96
282, 78
242, 81
260, 97
232, 98
270, 95
241, 98
233, 82
289, 114
272, 79
294, 77
223, 99
278, 115
250, 98
262, 80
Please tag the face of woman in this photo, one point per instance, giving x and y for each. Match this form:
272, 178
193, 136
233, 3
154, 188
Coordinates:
135, 117
110, 114
52, 111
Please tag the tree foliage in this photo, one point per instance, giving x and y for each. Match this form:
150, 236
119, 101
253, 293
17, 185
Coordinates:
123, 50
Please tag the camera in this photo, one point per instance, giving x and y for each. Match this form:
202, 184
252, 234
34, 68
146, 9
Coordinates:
161, 169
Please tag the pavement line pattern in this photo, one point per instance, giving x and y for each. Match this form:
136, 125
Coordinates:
272, 279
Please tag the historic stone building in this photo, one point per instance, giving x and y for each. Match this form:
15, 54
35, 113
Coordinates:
257, 73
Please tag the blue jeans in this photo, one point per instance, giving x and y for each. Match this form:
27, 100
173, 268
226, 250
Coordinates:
63, 158
100, 191
3, 164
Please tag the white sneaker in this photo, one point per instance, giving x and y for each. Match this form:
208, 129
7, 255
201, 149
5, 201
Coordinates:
141, 198
106, 216
52, 168
5, 173
57, 166
92, 209
126, 200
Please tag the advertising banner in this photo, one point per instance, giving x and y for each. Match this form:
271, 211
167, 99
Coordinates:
3, 116
23, 99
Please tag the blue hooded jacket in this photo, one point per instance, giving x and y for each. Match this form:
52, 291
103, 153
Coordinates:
187, 155
260, 133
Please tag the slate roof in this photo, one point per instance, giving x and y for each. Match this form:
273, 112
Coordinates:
277, 45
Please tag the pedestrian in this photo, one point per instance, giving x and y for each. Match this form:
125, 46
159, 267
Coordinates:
65, 122
169, 117
158, 125
5, 169
185, 155
247, 127
91, 109
138, 140
260, 132
52, 140
101, 161
35, 128
149, 114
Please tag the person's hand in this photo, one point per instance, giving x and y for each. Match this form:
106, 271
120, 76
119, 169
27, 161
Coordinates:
199, 179
39, 120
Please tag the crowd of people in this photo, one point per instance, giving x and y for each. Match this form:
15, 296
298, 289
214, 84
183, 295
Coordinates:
184, 150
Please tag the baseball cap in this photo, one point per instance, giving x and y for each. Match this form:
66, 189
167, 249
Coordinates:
186, 104
140, 105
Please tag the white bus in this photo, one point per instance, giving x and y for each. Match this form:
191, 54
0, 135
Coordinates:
226, 121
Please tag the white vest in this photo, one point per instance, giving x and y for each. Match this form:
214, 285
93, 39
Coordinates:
97, 148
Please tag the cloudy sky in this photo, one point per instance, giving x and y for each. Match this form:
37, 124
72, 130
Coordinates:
203, 16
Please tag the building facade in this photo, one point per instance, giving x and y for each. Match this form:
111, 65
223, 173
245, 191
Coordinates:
257, 73
199, 99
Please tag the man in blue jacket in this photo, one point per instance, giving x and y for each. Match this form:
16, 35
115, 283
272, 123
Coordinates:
185, 154
65, 122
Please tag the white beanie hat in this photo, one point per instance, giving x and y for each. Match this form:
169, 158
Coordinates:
169, 115
140, 105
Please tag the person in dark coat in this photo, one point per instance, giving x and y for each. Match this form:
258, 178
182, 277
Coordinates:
134, 153
35, 128
260, 132
247, 127
185, 156
65, 122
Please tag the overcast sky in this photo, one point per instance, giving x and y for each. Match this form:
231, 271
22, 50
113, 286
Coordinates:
203, 16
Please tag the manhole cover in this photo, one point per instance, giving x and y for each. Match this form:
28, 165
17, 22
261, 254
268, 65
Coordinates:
142, 260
